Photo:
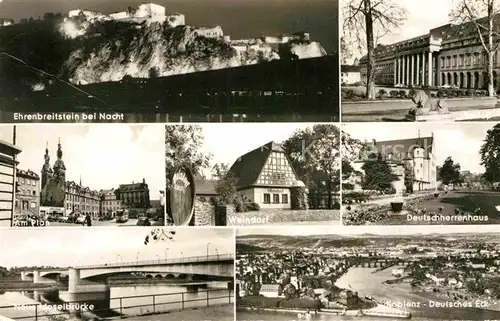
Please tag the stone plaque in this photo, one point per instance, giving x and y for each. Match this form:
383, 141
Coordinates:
181, 196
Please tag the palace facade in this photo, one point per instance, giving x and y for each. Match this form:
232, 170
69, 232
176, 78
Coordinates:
417, 152
135, 195
449, 55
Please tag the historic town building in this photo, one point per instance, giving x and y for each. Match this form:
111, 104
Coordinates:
109, 202
81, 199
8, 171
416, 152
265, 176
135, 195
27, 192
449, 55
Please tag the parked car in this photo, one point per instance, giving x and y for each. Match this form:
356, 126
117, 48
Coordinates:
143, 221
80, 219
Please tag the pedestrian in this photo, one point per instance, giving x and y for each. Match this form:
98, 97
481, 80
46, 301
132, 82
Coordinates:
147, 222
89, 220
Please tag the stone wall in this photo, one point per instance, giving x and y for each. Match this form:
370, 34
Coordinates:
203, 213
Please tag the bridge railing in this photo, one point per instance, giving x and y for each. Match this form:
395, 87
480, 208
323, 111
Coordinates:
128, 306
189, 259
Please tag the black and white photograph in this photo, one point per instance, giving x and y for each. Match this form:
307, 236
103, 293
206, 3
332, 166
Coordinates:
421, 173
74, 175
247, 174
368, 273
420, 60
107, 274
191, 60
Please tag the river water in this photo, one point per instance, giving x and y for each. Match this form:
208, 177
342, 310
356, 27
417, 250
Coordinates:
130, 306
370, 284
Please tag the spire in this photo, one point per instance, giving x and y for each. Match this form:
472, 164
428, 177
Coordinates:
81, 180
59, 149
47, 156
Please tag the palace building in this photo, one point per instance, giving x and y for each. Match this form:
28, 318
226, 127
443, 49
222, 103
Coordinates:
417, 152
265, 176
449, 55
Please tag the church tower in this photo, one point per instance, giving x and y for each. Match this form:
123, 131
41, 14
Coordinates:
46, 170
59, 167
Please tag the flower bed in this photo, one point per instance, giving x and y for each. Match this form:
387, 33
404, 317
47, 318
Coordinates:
396, 94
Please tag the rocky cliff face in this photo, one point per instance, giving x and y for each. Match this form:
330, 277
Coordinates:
110, 50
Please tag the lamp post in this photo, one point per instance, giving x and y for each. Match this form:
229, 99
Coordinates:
208, 247
216, 251
166, 250
137, 257
158, 258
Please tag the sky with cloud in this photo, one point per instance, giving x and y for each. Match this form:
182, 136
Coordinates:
461, 141
81, 246
103, 155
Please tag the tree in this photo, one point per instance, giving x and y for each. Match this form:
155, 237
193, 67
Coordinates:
365, 23
469, 14
315, 155
490, 155
450, 172
345, 52
226, 183
159, 235
409, 177
378, 174
182, 147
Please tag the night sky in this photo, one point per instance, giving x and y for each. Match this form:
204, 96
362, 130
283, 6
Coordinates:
238, 18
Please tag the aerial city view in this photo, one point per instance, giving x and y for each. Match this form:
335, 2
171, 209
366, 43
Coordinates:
402, 173
98, 175
409, 64
105, 274
368, 273
254, 58
259, 174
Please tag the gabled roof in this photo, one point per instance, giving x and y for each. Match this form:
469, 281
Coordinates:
406, 146
248, 167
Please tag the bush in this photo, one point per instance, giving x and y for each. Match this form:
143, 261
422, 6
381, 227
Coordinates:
411, 92
394, 93
402, 93
259, 301
390, 191
300, 303
441, 94
252, 207
382, 93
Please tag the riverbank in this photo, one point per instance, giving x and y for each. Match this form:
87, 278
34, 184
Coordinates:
212, 313
13, 285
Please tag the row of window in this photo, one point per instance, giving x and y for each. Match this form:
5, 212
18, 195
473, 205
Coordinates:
26, 181
276, 198
466, 60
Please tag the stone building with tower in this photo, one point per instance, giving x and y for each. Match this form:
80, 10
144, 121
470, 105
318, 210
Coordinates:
53, 189
417, 152
448, 55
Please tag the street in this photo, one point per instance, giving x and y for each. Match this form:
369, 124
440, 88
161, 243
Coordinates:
378, 112
130, 222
